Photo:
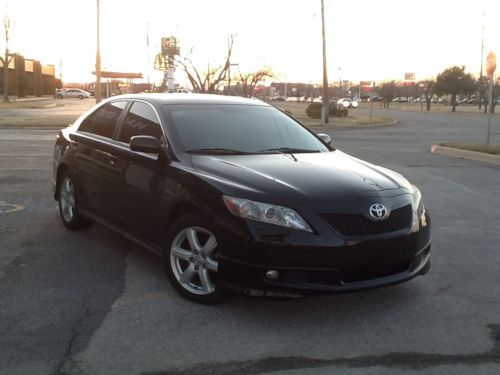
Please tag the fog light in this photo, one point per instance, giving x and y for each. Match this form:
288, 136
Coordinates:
272, 274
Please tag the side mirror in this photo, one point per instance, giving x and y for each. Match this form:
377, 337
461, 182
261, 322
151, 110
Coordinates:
145, 143
325, 138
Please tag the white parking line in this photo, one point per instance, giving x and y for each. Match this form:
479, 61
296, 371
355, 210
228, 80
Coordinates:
6, 208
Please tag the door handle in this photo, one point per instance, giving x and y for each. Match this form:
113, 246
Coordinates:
112, 159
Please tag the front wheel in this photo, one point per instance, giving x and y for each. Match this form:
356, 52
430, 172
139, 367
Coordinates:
191, 260
68, 205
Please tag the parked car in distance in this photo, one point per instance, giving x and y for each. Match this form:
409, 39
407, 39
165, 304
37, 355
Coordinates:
401, 99
235, 195
348, 103
72, 93
178, 91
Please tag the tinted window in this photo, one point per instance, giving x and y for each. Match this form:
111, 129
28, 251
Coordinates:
140, 120
86, 125
107, 116
246, 128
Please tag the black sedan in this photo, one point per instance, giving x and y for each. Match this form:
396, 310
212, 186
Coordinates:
236, 195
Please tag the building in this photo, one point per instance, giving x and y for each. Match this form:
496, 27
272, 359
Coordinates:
30, 77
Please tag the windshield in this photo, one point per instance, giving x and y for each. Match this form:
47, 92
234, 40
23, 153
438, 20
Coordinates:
213, 128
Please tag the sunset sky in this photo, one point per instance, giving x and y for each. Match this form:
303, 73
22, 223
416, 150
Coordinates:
366, 40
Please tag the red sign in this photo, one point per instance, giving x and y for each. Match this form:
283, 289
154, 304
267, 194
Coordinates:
491, 64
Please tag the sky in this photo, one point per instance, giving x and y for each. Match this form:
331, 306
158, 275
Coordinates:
366, 40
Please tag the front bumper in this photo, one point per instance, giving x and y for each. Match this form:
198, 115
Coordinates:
252, 279
321, 262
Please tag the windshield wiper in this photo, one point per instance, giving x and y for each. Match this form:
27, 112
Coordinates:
287, 150
216, 151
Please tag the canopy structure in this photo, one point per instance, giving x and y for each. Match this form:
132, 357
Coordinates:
120, 75
113, 84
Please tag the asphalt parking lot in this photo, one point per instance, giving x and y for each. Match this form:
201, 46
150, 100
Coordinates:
94, 303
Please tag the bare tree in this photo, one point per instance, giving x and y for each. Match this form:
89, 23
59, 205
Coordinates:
6, 60
250, 80
207, 81
427, 88
388, 91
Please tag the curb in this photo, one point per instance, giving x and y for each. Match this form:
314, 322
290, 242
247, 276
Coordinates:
354, 126
465, 154
14, 99
33, 127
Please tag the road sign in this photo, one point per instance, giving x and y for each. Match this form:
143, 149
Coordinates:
491, 64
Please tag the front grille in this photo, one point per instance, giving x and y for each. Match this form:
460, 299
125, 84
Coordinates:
360, 225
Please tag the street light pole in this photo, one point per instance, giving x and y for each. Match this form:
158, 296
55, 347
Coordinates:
97, 89
326, 101
341, 88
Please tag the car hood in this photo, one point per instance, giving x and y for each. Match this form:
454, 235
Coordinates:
311, 176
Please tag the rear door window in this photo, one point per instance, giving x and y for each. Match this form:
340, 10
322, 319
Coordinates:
104, 119
141, 119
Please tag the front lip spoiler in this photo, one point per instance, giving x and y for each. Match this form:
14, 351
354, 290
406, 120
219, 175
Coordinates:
261, 286
357, 285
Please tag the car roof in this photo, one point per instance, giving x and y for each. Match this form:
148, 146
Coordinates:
185, 98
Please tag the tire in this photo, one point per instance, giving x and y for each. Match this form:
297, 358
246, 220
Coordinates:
80, 97
60, 96
68, 204
190, 259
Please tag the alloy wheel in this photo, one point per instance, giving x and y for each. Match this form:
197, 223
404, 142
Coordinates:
193, 258
67, 199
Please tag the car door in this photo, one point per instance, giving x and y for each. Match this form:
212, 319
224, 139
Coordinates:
94, 158
145, 177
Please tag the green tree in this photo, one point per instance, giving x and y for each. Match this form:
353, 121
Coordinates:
454, 81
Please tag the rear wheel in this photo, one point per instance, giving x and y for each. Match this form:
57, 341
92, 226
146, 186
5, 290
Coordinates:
191, 259
68, 205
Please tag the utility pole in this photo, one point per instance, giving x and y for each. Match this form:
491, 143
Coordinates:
326, 101
481, 88
149, 60
97, 89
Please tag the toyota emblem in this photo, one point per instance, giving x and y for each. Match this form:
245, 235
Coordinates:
378, 211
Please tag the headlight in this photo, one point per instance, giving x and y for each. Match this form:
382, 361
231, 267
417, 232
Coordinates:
418, 202
266, 213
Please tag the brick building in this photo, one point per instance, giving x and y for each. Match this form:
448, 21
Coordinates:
30, 77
